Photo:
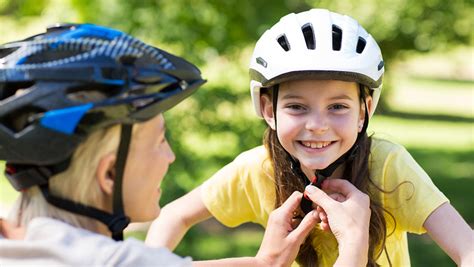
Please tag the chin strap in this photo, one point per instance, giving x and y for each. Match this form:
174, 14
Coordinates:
116, 222
125, 138
321, 175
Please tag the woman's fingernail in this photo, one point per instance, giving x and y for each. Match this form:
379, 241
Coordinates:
310, 189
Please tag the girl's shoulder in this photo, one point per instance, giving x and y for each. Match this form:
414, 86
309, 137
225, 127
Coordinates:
255, 161
382, 147
256, 155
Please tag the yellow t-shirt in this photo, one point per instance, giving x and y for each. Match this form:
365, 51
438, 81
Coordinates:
244, 191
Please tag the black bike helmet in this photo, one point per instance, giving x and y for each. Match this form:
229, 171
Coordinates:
57, 87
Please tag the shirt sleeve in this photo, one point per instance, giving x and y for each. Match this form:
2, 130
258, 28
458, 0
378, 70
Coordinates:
226, 197
411, 195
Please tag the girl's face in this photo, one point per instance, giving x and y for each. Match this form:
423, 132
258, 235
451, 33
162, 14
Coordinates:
317, 120
147, 163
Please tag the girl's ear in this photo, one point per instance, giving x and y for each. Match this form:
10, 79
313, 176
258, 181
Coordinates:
266, 107
369, 106
369, 103
105, 173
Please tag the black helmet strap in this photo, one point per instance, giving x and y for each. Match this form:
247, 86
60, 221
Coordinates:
125, 138
117, 221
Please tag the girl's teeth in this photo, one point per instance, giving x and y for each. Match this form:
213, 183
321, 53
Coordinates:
315, 144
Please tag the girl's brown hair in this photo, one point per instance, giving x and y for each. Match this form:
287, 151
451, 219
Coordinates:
356, 170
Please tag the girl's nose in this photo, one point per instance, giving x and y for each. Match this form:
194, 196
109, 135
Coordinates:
316, 123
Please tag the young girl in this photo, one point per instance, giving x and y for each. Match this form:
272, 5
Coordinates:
316, 79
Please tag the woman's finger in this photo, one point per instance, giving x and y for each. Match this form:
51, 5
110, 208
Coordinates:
306, 225
291, 204
318, 196
341, 186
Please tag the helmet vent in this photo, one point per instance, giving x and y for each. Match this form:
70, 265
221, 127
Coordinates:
13, 89
48, 56
19, 119
308, 34
360, 45
261, 61
336, 38
92, 93
380, 66
7, 51
283, 42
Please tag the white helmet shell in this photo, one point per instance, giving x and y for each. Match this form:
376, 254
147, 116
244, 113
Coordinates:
316, 44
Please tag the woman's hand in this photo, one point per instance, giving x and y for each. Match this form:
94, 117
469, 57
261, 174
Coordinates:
346, 213
281, 241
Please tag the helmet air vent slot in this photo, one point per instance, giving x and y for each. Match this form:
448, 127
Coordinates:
91, 93
261, 61
360, 45
283, 42
47, 56
19, 119
308, 34
7, 51
336, 38
14, 89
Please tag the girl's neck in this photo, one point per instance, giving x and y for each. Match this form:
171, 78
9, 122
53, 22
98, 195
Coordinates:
336, 174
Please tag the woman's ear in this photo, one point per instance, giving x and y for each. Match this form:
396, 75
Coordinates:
105, 173
266, 107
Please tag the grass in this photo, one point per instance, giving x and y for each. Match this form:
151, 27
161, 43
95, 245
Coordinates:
425, 134
428, 96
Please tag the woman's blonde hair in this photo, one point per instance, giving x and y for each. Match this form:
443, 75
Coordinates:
77, 183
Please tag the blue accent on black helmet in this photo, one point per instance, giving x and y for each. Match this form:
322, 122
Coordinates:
65, 120
92, 31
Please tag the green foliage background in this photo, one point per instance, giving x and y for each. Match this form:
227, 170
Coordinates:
212, 127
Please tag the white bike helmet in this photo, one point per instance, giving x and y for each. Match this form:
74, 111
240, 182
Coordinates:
316, 44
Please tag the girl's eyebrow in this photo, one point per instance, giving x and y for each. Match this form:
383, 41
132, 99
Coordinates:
341, 96
291, 96
336, 97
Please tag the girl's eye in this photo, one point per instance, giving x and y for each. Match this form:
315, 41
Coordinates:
338, 107
295, 107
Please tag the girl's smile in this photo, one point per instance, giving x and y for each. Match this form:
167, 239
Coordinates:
312, 147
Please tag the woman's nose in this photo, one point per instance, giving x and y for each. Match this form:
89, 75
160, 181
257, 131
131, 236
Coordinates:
170, 155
